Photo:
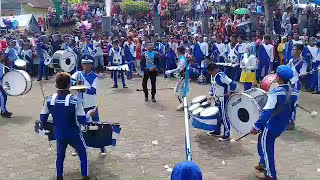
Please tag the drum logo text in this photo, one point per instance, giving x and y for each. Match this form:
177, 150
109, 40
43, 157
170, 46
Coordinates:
237, 102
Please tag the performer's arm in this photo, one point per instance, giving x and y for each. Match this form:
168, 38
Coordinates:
80, 113
266, 113
226, 80
143, 62
93, 88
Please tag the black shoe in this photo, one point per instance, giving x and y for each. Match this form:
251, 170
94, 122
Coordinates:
224, 138
103, 152
213, 133
59, 178
85, 178
114, 86
153, 100
259, 167
47, 79
6, 114
39, 79
125, 86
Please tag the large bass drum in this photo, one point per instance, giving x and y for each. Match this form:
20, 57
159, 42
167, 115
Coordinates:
243, 109
269, 82
16, 83
63, 60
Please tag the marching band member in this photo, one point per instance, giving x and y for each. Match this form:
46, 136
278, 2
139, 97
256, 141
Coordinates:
149, 64
232, 57
98, 56
87, 47
12, 52
3, 95
88, 78
42, 51
116, 58
315, 82
130, 53
310, 54
160, 47
240, 48
299, 67
171, 55
183, 63
221, 47
67, 111
248, 74
288, 49
200, 50
265, 57
27, 55
274, 120
220, 90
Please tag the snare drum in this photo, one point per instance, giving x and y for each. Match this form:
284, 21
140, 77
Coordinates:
49, 127
197, 111
269, 82
194, 106
207, 120
20, 64
101, 134
16, 83
205, 104
199, 99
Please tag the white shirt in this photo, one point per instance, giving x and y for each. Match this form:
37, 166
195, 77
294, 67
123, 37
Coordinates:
97, 47
204, 48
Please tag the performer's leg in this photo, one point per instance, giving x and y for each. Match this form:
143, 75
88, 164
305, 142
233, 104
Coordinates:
266, 69
318, 82
144, 83
259, 71
115, 79
46, 71
40, 70
123, 79
260, 152
153, 78
226, 124
61, 152
247, 86
268, 141
129, 75
79, 145
3, 100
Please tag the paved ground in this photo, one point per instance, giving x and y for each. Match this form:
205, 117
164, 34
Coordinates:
25, 155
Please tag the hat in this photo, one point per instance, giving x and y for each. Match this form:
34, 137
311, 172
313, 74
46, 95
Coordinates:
285, 72
187, 170
86, 61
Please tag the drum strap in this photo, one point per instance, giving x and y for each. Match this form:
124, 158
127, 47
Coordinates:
53, 99
67, 100
282, 107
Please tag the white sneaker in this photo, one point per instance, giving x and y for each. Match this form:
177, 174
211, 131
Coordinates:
180, 107
74, 153
103, 152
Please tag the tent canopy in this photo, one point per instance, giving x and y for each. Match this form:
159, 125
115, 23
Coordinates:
26, 21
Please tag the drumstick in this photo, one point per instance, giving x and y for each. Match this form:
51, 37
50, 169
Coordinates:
235, 140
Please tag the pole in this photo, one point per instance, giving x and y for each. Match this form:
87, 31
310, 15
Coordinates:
187, 132
0, 7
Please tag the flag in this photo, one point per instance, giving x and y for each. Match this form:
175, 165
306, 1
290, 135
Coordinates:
57, 7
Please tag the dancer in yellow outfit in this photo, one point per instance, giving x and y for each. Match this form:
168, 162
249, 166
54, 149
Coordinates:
249, 66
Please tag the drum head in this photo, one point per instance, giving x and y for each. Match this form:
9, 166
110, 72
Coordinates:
20, 63
194, 106
205, 104
14, 83
199, 99
197, 111
210, 111
242, 111
68, 61
259, 95
267, 81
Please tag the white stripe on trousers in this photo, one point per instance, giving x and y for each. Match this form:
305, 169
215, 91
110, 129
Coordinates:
85, 146
264, 149
224, 117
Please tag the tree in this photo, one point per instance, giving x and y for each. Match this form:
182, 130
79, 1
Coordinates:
135, 7
269, 7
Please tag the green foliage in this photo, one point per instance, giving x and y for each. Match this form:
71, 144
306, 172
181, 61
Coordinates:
135, 7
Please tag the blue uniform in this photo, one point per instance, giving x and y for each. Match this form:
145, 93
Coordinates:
265, 56
41, 50
232, 57
3, 95
130, 56
117, 58
299, 67
67, 112
240, 48
171, 57
272, 122
220, 85
198, 53
288, 51
12, 54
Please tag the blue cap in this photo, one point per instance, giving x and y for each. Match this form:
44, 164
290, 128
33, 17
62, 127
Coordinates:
187, 170
285, 72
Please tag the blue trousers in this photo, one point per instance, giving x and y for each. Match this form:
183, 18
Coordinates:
79, 145
231, 72
266, 142
115, 78
3, 100
247, 86
43, 68
266, 66
223, 118
131, 67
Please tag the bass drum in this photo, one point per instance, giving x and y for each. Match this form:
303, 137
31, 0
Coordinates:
259, 95
16, 83
64, 60
243, 111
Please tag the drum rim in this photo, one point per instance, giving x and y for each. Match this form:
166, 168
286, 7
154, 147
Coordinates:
205, 97
194, 105
24, 79
227, 116
263, 91
211, 108
197, 113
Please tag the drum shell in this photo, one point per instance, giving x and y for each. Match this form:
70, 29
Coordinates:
23, 75
205, 123
267, 82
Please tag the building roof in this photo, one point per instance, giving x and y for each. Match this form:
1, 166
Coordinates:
10, 4
43, 4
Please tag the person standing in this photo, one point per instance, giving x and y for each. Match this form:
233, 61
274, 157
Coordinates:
149, 64
3, 96
200, 50
220, 85
116, 56
98, 55
274, 120
42, 52
130, 53
249, 66
67, 112
265, 57
299, 68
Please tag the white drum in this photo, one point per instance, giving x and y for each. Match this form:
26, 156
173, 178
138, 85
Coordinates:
205, 104
243, 110
199, 99
20, 64
16, 83
197, 111
64, 60
259, 95
210, 112
194, 106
